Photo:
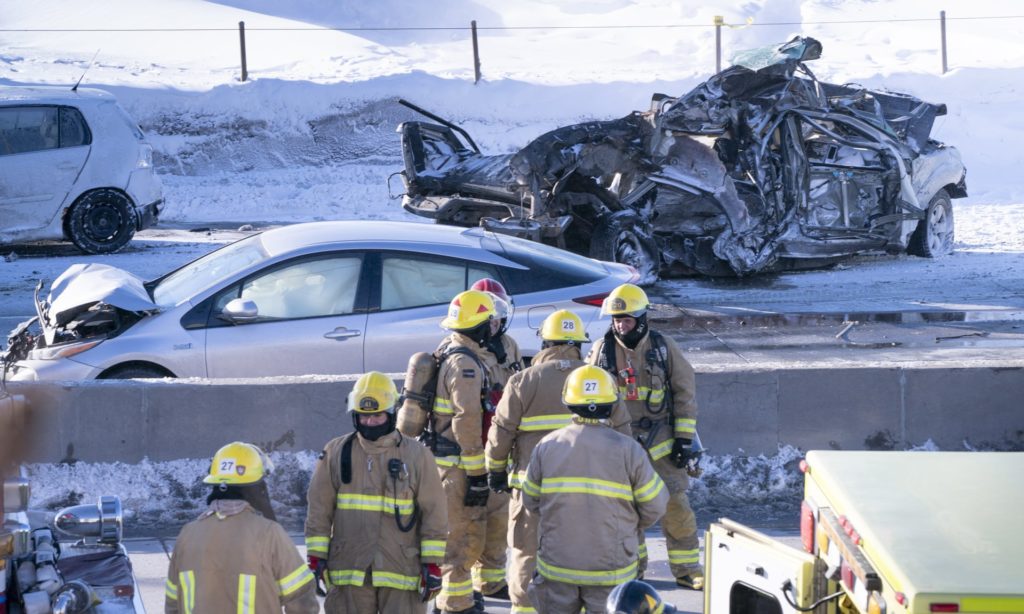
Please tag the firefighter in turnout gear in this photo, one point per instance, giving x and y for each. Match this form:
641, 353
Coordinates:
581, 477
232, 558
658, 386
455, 434
489, 571
530, 408
377, 523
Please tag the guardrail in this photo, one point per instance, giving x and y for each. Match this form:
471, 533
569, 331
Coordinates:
742, 411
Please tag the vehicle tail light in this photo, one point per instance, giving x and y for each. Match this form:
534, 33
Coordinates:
807, 526
594, 300
944, 607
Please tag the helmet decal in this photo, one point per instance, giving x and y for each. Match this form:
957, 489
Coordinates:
240, 469
369, 403
618, 304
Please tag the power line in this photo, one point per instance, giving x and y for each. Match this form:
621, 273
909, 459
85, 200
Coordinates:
512, 28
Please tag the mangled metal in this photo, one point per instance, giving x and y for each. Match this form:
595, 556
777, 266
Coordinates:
87, 302
761, 167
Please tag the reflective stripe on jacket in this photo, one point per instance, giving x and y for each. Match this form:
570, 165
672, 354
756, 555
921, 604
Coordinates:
355, 526
239, 562
458, 407
589, 471
531, 407
648, 409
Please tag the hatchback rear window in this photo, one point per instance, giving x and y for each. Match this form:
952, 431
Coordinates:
548, 267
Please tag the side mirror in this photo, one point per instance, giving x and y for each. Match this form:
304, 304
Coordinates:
240, 311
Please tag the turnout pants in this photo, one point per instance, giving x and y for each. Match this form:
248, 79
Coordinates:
679, 524
366, 599
467, 527
522, 540
554, 597
489, 570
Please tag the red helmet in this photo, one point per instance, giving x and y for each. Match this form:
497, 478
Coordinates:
493, 286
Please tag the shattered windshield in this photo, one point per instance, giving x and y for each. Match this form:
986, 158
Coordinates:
200, 274
798, 49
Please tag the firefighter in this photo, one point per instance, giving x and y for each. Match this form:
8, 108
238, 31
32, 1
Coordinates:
456, 433
582, 477
657, 384
377, 520
530, 408
489, 571
232, 558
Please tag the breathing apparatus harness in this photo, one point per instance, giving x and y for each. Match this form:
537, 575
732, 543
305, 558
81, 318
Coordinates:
658, 354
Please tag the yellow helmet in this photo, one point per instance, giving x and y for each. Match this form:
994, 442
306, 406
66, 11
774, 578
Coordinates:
626, 300
563, 325
468, 310
589, 385
239, 463
373, 393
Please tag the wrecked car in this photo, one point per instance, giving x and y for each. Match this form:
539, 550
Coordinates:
320, 298
760, 168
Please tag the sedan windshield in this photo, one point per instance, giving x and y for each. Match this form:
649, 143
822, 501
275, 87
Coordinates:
200, 274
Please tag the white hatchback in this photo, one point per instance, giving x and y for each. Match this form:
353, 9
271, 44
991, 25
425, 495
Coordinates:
73, 165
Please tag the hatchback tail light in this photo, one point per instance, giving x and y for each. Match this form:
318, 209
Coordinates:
594, 300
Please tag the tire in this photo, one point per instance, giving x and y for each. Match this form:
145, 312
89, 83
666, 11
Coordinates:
934, 234
101, 222
135, 371
618, 239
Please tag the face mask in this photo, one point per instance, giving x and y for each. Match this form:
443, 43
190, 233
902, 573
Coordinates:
373, 433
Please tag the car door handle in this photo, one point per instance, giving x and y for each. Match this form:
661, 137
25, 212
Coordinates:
342, 333
67, 167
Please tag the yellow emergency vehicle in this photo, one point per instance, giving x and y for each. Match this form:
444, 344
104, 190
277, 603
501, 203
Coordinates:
883, 533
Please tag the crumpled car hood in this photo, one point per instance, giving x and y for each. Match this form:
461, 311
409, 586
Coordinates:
83, 285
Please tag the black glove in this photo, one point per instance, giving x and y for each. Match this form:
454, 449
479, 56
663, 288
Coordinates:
498, 481
682, 453
476, 491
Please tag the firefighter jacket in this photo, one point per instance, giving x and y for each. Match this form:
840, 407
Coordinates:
658, 386
587, 471
355, 525
464, 388
532, 407
232, 559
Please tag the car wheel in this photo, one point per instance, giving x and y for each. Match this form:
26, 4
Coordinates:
618, 239
934, 234
101, 222
135, 371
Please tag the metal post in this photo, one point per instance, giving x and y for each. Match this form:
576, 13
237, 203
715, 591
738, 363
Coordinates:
942, 22
476, 54
241, 39
719, 20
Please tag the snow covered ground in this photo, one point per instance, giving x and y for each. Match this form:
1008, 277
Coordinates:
311, 134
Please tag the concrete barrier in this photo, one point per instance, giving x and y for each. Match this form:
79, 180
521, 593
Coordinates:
741, 412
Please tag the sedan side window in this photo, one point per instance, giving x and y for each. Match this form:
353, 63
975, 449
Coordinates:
417, 282
27, 129
308, 289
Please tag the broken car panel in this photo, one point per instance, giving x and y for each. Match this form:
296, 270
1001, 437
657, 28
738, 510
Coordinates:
762, 167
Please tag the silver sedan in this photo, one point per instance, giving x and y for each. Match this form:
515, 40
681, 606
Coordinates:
309, 299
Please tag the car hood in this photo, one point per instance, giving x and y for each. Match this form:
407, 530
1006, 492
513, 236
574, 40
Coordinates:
84, 285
